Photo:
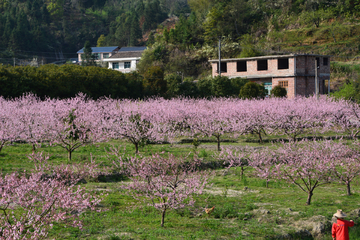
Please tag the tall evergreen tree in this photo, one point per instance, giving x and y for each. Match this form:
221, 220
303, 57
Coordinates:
135, 31
9, 26
88, 59
22, 32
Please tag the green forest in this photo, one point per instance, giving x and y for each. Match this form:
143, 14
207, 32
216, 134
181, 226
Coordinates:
182, 35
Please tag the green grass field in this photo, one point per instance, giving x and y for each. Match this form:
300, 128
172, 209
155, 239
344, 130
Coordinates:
244, 207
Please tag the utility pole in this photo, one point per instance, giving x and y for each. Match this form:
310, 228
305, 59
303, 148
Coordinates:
316, 79
219, 68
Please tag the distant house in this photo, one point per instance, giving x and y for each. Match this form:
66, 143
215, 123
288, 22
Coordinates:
100, 53
295, 72
126, 59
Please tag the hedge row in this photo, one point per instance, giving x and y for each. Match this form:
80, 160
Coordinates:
67, 81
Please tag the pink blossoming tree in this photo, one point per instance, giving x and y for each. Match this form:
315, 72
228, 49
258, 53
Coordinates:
234, 157
75, 122
30, 203
345, 162
167, 182
9, 130
263, 161
305, 164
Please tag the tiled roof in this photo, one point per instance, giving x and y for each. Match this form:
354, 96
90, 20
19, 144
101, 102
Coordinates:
100, 49
131, 49
128, 54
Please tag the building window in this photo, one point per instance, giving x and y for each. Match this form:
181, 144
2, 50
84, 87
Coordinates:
262, 65
283, 63
96, 56
115, 65
127, 64
284, 84
106, 55
223, 67
325, 61
241, 66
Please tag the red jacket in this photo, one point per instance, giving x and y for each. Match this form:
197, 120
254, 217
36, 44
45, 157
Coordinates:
340, 229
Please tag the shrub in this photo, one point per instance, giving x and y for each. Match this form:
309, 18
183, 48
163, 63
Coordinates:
188, 88
221, 86
173, 82
153, 82
252, 90
204, 87
278, 91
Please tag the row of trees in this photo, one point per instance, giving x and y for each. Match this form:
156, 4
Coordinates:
74, 122
167, 182
306, 164
68, 80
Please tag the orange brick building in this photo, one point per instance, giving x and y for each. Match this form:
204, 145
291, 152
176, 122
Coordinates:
295, 72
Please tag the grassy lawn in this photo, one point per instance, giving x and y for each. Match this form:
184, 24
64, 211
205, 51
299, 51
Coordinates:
254, 213
244, 207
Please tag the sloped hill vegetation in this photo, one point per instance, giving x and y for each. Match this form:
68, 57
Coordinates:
182, 34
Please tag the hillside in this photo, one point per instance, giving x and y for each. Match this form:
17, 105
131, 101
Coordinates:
57, 29
182, 34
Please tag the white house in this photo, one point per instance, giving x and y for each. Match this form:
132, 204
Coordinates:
126, 59
100, 53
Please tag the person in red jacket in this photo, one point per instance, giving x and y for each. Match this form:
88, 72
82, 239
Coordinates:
340, 229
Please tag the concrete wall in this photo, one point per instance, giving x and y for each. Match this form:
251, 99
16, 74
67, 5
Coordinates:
122, 67
101, 56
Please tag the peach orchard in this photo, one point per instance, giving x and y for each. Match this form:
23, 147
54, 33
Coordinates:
30, 201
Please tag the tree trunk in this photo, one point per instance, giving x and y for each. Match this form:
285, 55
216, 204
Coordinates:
310, 193
260, 138
218, 143
267, 183
163, 217
348, 190
33, 148
69, 155
242, 173
136, 148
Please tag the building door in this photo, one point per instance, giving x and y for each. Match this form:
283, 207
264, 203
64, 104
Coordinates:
268, 87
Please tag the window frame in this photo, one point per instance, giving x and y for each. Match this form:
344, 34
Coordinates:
262, 65
97, 56
127, 65
284, 84
223, 67
114, 64
325, 61
241, 66
282, 64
